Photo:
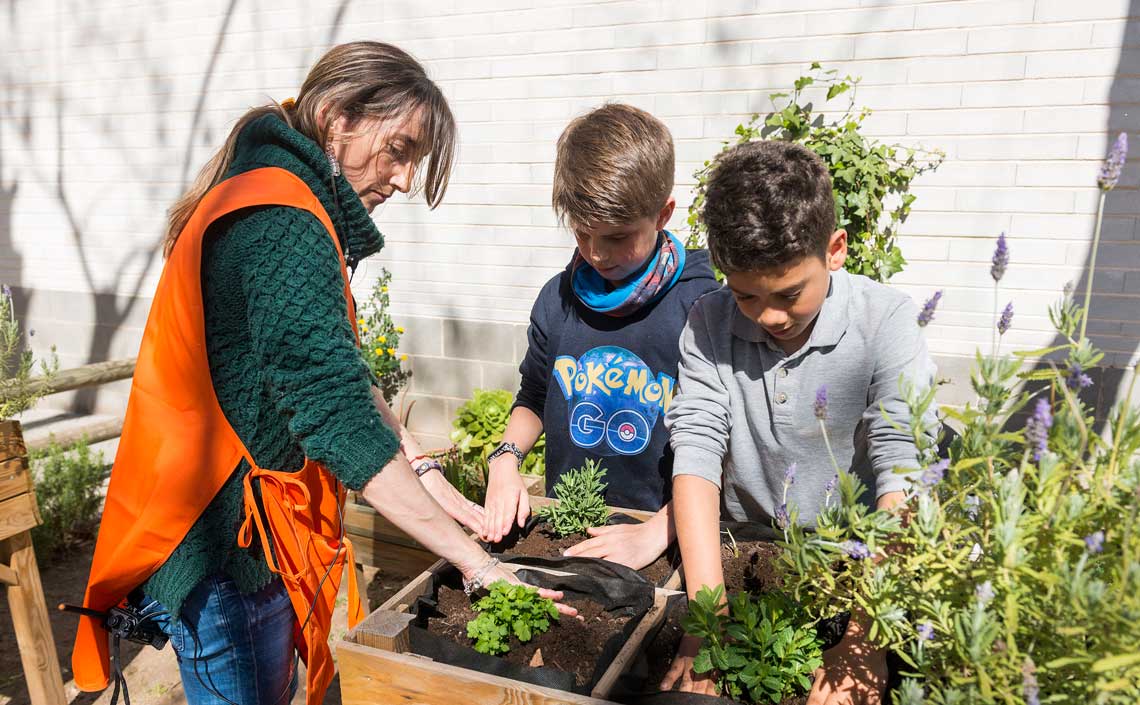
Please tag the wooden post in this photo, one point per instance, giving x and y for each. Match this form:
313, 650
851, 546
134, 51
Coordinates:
30, 618
385, 630
19, 514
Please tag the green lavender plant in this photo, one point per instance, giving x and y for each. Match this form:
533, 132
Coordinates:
479, 427
509, 610
581, 501
763, 650
871, 180
17, 391
1015, 577
380, 340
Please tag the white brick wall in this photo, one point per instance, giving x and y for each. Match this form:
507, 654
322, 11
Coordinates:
107, 108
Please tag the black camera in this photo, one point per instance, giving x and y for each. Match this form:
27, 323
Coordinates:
127, 622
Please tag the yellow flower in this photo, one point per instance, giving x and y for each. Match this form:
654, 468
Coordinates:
384, 289
361, 321
363, 328
403, 357
379, 351
381, 339
399, 329
391, 351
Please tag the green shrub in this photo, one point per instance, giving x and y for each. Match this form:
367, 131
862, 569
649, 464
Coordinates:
16, 393
380, 340
68, 493
581, 501
509, 609
479, 427
763, 650
871, 181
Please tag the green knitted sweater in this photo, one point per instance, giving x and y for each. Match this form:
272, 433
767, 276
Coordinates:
285, 367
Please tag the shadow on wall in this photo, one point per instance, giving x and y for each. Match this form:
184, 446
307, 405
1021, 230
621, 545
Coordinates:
1114, 321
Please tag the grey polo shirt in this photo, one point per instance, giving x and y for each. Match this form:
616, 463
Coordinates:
744, 411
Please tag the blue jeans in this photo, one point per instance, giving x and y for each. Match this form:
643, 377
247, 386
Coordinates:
235, 649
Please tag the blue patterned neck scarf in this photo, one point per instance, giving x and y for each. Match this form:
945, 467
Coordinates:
662, 272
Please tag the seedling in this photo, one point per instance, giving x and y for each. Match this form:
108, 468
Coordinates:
732, 542
581, 503
509, 609
763, 650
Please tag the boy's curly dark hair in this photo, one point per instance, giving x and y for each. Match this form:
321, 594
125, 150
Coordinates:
767, 203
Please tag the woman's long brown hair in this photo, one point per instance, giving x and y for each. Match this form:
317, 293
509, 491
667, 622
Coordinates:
358, 80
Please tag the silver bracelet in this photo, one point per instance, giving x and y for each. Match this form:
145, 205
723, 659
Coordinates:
476, 583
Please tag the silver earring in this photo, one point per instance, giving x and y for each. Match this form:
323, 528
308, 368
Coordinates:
333, 163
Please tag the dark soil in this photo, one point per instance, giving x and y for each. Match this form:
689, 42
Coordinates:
544, 543
751, 568
571, 645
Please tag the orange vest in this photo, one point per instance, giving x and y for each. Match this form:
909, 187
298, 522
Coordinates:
177, 450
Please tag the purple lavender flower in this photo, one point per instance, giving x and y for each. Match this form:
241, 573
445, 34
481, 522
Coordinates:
1029, 682
830, 486
1094, 542
926, 315
984, 592
1037, 428
1006, 319
1077, 379
7, 291
820, 406
1000, 259
782, 516
856, 550
1114, 164
790, 475
933, 474
925, 631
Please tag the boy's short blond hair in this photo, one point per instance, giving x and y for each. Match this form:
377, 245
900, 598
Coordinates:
614, 166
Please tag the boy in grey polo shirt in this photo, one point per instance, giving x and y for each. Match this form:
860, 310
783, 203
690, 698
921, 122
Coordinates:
754, 356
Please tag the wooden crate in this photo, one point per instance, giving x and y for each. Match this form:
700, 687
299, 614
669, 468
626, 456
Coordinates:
375, 666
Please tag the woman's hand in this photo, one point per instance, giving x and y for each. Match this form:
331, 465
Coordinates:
507, 499
682, 670
498, 572
458, 507
633, 545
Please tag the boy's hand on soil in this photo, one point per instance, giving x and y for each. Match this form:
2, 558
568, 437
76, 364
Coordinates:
633, 545
457, 506
682, 670
853, 673
507, 500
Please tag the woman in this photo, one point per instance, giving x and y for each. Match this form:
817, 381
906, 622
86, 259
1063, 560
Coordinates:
251, 407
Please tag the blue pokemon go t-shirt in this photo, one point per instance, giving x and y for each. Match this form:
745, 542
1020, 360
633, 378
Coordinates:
601, 384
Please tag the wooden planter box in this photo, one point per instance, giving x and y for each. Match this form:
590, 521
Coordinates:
380, 544
376, 666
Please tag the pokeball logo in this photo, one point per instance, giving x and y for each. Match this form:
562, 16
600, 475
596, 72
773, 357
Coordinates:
613, 400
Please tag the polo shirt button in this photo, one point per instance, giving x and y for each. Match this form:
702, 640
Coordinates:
783, 371
781, 398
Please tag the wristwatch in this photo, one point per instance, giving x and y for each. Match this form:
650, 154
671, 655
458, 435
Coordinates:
504, 448
426, 466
